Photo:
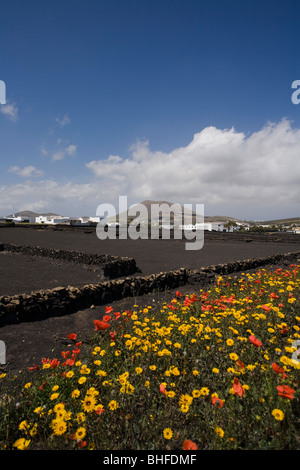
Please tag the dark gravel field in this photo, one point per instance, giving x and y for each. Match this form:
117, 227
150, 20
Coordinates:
26, 343
21, 273
152, 256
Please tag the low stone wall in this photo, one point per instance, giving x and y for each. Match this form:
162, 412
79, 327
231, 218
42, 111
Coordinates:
235, 236
64, 300
113, 266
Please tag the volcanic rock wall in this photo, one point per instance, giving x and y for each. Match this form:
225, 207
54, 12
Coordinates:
64, 300
113, 266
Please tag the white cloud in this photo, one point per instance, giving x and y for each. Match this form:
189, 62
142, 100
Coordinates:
27, 171
58, 155
44, 151
10, 110
71, 149
254, 176
61, 153
48, 195
63, 121
222, 168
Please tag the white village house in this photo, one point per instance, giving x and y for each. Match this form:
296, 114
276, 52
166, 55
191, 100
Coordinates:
84, 220
210, 226
23, 219
51, 219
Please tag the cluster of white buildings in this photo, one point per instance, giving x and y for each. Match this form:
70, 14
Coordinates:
54, 219
51, 220
216, 226
210, 226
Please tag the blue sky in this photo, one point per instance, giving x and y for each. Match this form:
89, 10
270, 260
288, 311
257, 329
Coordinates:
187, 101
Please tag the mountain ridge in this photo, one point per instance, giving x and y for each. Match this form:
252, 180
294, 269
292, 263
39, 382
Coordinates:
147, 203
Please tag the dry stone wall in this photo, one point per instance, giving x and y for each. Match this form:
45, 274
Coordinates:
113, 266
64, 300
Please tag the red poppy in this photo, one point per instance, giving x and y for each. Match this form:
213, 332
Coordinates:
70, 362
99, 410
237, 387
82, 443
239, 365
279, 370
42, 386
54, 363
172, 307
178, 294
100, 325
106, 318
65, 354
113, 335
162, 388
72, 336
266, 308
217, 402
108, 309
255, 341
285, 391
284, 331
274, 296
189, 445
117, 315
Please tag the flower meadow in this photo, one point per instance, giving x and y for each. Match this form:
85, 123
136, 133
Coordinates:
216, 369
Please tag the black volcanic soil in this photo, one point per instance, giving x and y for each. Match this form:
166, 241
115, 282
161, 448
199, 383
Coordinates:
26, 343
21, 273
154, 256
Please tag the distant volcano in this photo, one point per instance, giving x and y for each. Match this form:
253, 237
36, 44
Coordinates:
32, 214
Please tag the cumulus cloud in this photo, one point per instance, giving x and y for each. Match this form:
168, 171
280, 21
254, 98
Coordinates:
218, 167
58, 155
10, 111
27, 171
231, 173
71, 149
49, 195
61, 153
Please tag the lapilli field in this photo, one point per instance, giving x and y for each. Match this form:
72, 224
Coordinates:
218, 369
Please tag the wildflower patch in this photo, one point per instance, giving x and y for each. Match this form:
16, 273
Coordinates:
213, 370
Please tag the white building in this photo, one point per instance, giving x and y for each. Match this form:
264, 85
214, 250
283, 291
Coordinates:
92, 219
86, 221
21, 219
51, 219
242, 225
211, 227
